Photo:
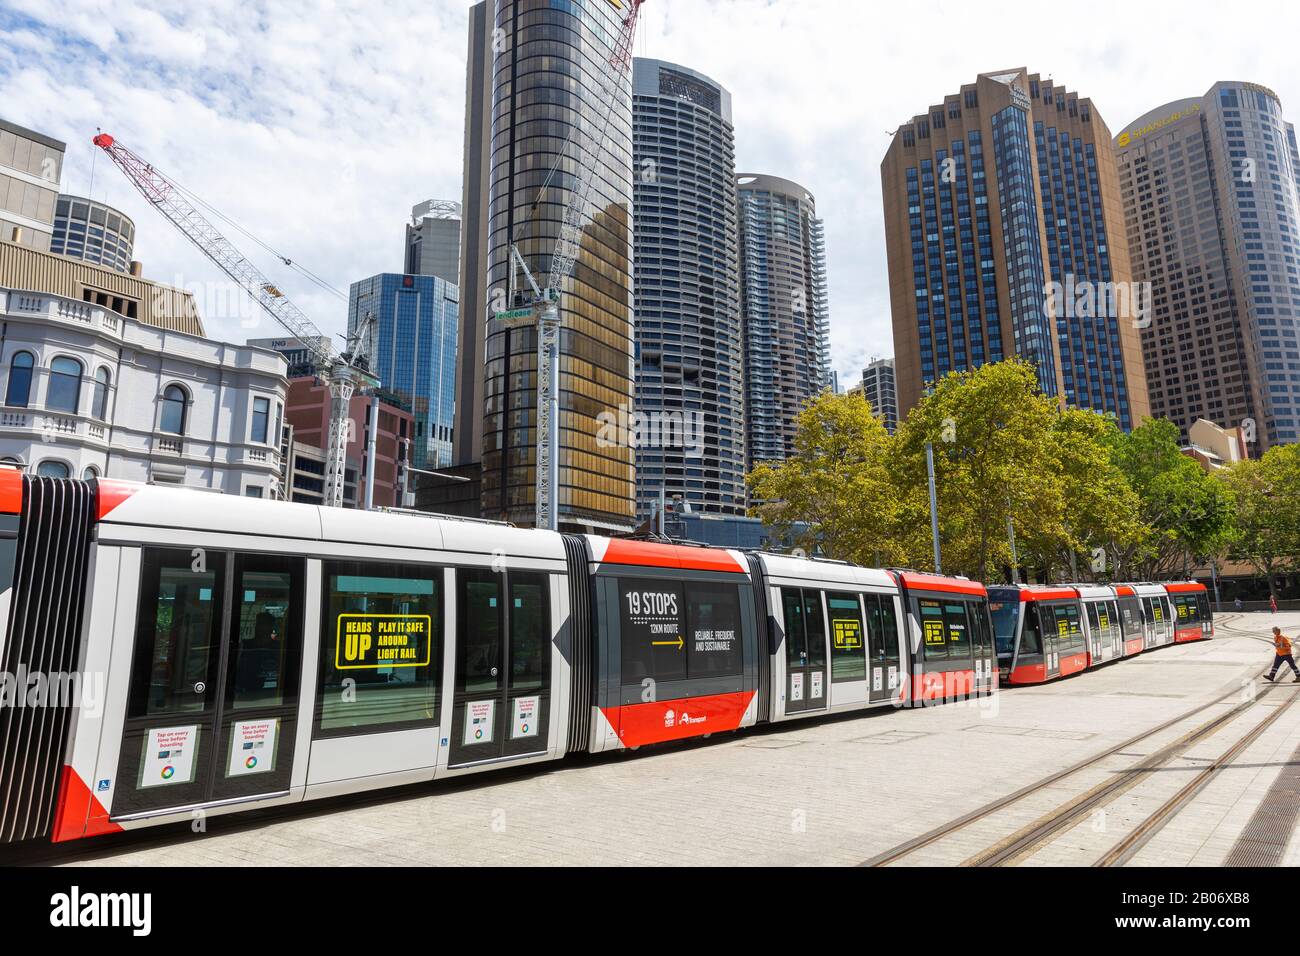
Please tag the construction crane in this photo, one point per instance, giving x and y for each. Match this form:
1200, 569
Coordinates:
541, 306
343, 372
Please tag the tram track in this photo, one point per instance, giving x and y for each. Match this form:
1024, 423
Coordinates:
1027, 840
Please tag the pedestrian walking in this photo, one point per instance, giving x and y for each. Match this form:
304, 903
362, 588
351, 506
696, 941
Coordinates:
1237, 604
1272, 603
1284, 653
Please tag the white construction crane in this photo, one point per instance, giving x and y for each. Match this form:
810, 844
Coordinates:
344, 372
542, 306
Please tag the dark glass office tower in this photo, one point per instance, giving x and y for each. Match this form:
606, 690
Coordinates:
413, 352
548, 55
688, 337
1002, 215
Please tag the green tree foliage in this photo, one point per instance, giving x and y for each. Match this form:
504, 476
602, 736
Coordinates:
1085, 500
834, 496
990, 429
1187, 514
1266, 492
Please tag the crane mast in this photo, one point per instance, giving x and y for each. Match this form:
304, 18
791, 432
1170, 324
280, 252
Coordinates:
543, 309
343, 373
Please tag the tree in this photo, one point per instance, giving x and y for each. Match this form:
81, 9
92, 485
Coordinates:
990, 429
1266, 493
1188, 514
1101, 509
834, 495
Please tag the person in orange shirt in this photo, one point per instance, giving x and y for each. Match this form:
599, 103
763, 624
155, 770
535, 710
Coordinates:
1283, 645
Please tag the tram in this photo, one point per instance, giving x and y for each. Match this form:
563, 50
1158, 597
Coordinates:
1046, 633
177, 655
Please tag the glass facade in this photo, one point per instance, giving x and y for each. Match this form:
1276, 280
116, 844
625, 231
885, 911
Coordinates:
1031, 326
88, 230
550, 53
1041, 157
785, 311
413, 353
1254, 149
687, 293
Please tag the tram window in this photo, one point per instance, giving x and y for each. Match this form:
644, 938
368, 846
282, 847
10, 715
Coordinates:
653, 628
981, 628
1065, 622
888, 629
176, 632
478, 634
796, 647
1031, 635
1203, 603
359, 689
1094, 622
812, 610
959, 632
848, 638
530, 631
1131, 617
267, 602
1005, 612
933, 631
713, 647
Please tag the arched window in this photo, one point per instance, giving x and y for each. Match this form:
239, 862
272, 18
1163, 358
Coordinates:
50, 468
64, 392
20, 379
99, 407
172, 419
90, 472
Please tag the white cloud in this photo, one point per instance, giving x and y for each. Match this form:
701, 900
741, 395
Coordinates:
318, 125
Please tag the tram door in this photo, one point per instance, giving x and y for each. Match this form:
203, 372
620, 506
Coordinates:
1051, 640
805, 650
213, 699
501, 693
883, 657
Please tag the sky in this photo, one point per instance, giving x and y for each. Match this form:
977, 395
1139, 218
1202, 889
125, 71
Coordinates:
316, 126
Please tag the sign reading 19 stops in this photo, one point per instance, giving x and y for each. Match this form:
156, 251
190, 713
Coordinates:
371, 641
656, 620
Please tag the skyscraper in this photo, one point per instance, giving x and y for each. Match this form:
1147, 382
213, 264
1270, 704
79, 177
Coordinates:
413, 352
879, 387
785, 311
31, 165
433, 241
544, 92
689, 356
1004, 187
468, 437
1209, 186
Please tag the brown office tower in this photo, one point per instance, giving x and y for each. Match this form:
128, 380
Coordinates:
1209, 186
545, 88
1006, 237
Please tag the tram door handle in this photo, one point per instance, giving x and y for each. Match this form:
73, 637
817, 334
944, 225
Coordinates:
494, 672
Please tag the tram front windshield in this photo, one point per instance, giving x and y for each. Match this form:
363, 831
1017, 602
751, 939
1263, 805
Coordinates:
1006, 614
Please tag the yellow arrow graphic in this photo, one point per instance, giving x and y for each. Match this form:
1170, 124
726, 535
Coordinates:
677, 643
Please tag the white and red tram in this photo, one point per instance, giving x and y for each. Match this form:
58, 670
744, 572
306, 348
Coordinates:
215, 654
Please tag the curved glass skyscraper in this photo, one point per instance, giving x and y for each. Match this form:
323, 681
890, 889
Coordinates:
548, 57
689, 385
785, 308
